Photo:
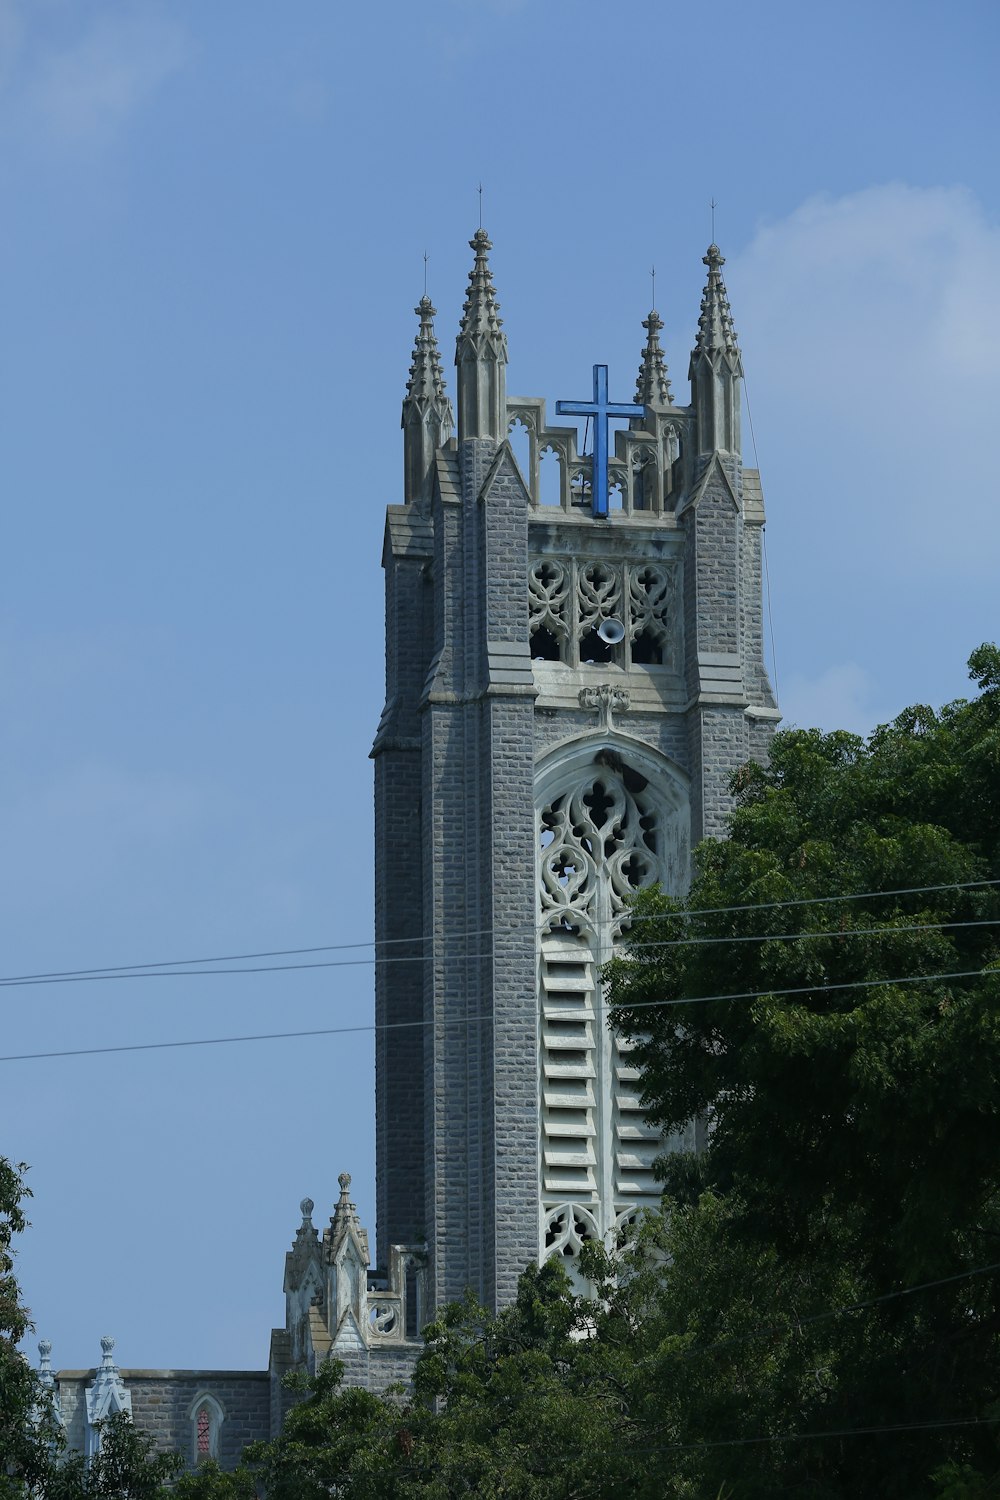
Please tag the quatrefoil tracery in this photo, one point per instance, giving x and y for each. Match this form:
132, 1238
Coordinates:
601, 829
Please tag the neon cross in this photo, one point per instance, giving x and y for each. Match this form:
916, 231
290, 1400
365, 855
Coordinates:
601, 409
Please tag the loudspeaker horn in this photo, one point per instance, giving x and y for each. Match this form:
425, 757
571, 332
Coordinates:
611, 631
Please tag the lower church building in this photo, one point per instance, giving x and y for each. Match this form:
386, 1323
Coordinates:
574, 671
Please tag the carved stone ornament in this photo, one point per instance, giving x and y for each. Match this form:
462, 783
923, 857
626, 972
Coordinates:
605, 699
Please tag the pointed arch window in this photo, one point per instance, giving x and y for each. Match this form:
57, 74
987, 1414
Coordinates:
607, 825
207, 1418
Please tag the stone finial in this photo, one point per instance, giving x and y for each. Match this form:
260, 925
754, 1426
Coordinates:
428, 419
107, 1349
305, 1249
481, 353
345, 1186
306, 1233
45, 1363
653, 387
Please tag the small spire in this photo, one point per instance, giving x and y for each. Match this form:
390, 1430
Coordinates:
428, 419
716, 366
481, 324
344, 1219
425, 390
715, 323
45, 1374
106, 1394
653, 387
481, 353
304, 1251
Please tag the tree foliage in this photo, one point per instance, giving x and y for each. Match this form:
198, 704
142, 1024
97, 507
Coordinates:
22, 1454
816, 1313
828, 1002
518, 1406
34, 1462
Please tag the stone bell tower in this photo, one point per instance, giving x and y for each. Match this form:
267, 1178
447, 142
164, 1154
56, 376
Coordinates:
569, 689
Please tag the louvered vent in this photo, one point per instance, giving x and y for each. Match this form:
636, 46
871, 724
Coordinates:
636, 1144
569, 1039
601, 838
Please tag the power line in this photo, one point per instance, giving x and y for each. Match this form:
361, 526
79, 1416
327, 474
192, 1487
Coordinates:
91, 976
912, 890
183, 964
216, 958
802, 989
825, 932
798, 1437
764, 1330
271, 1036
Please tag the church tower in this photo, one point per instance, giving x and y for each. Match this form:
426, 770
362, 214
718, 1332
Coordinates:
569, 689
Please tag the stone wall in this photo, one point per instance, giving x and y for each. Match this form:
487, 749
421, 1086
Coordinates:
164, 1402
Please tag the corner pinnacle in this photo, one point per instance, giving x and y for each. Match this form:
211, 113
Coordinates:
425, 386
716, 333
480, 330
653, 387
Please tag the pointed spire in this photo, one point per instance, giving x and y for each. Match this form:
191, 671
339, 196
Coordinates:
344, 1219
305, 1248
716, 366
716, 333
481, 324
481, 353
653, 387
105, 1395
47, 1409
428, 418
425, 388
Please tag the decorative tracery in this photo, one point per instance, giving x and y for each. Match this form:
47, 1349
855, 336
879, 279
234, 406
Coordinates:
599, 838
548, 593
605, 830
649, 602
588, 612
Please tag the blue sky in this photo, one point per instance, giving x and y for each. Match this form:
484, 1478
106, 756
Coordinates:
211, 239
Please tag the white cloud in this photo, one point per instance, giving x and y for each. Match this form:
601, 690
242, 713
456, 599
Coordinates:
872, 327
83, 92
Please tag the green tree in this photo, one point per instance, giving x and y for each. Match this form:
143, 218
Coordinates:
33, 1457
525, 1405
827, 1001
23, 1445
127, 1467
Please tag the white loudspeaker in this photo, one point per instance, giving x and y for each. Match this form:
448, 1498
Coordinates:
611, 631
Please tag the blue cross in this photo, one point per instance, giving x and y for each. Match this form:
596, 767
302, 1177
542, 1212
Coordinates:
601, 409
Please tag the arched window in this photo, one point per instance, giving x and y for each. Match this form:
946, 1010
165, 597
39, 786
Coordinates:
611, 819
206, 1417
